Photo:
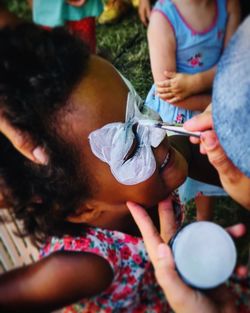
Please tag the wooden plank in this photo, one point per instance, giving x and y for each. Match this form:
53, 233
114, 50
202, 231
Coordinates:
14, 250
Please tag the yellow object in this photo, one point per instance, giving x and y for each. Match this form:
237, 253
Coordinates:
113, 11
135, 3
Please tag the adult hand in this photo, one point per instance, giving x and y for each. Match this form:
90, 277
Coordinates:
236, 184
144, 11
22, 142
181, 297
200, 122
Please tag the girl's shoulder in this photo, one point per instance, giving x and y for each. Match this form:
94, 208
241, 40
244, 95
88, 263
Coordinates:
177, 21
166, 8
102, 242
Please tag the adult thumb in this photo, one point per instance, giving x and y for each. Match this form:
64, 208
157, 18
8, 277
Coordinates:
181, 297
215, 153
235, 183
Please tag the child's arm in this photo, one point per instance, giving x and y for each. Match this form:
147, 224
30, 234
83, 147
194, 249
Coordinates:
56, 281
162, 51
180, 86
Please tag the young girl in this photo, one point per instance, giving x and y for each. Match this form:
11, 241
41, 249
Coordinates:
100, 154
77, 15
183, 61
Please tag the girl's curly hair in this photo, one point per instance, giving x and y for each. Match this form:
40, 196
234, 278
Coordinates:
38, 71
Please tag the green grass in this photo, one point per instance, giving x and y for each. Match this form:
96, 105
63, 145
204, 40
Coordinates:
125, 45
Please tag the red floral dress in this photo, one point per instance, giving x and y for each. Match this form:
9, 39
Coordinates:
134, 288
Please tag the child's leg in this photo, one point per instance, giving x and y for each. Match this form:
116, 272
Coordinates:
204, 208
86, 30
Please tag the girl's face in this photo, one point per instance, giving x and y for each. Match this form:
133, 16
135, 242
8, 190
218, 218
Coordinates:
101, 99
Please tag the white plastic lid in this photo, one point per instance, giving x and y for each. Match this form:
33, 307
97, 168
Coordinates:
205, 254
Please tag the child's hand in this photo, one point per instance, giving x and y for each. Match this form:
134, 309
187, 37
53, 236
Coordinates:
76, 3
176, 87
144, 11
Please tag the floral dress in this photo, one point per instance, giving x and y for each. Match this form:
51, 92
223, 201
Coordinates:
134, 288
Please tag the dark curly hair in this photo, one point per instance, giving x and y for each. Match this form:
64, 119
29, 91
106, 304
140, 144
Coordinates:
38, 72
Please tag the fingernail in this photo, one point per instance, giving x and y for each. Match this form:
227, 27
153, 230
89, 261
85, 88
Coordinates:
209, 140
40, 155
162, 251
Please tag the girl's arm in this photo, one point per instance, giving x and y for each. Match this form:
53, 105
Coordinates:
162, 50
54, 282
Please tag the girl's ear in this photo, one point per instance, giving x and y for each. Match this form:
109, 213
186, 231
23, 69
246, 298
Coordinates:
88, 213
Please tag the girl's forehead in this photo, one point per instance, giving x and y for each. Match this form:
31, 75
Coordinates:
101, 96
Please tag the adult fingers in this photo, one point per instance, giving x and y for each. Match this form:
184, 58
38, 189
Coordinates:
181, 298
200, 122
195, 140
149, 233
237, 230
242, 271
167, 219
233, 180
23, 142
216, 154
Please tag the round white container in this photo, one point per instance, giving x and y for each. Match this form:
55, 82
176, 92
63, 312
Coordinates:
205, 254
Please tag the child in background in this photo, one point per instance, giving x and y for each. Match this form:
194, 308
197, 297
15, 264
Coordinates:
79, 16
183, 62
88, 118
